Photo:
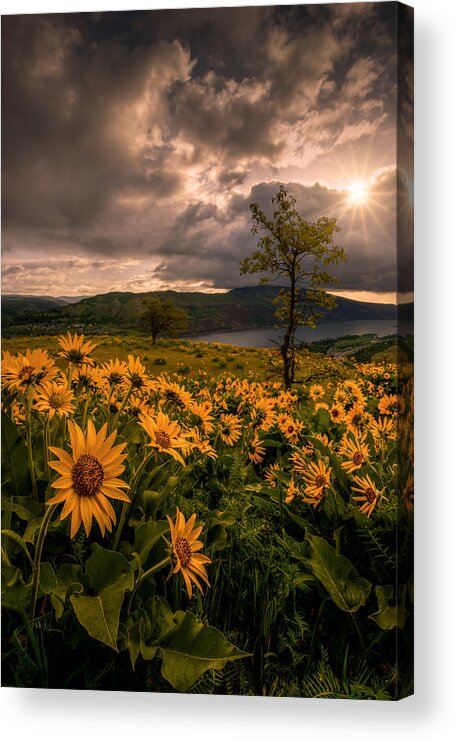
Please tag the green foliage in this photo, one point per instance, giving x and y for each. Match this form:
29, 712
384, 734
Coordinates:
298, 252
163, 317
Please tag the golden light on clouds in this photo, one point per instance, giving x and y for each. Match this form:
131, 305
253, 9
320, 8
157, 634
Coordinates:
358, 193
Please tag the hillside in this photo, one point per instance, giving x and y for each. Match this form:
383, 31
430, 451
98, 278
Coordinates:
118, 312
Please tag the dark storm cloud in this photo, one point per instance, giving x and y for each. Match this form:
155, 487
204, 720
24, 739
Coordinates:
144, 136
214, 241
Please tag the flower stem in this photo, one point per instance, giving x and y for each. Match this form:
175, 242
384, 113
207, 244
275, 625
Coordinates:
144, 576
31, 465
127, 505
37, 560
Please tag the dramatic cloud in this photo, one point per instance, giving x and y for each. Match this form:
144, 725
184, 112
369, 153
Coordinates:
133, 143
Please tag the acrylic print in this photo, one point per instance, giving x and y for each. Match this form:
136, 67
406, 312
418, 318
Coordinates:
207, 467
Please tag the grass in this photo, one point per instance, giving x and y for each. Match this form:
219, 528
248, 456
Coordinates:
181, 357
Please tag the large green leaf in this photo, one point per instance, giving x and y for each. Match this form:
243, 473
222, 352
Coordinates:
110, 576
340, 578
187, 647
192, 648
390, 616
68, 580
15, 471
145, 537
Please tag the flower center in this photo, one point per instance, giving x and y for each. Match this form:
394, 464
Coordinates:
183, 550
335, 412
56, 401
370, 494
163, 439
320, 481
136, 381
88, 475
26, 372
357, 458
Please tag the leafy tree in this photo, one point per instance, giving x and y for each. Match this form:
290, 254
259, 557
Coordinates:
299, 252
162, 317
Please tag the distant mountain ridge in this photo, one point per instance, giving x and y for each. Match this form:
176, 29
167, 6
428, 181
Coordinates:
118, 312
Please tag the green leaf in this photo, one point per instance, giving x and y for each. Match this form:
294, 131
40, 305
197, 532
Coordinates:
110, 576
145, 537
15, 593
14, 458
390, 616
68, 580
338, 575
192, 648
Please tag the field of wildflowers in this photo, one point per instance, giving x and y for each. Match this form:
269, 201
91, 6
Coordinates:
206, 533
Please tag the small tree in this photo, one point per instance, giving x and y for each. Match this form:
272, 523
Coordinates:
162, 317
299, 252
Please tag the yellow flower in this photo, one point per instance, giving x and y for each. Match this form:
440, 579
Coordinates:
138, 406
271, 474
185, 548
165, 435
54, 399
291, 491
256, 452
369, 494
317, 478
21, 371
316, 391
75, 350
201, 414
291, 429
337, 413
263, 414
390, 404
299, 463
174, 393
203, 445
230, 429
135, 374
113, 372
89, 478
356, 451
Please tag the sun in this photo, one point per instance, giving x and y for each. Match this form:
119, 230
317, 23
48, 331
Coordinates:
358, 193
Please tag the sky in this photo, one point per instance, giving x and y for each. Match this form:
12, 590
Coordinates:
134, 142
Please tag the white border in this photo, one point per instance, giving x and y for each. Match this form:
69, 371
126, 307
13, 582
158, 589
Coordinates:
70, 715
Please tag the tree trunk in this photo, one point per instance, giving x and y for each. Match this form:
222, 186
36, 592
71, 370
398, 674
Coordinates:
154, 334
287, 347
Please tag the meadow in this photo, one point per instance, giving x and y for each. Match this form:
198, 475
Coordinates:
173, 519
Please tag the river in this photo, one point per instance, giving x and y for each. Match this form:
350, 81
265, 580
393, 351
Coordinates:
267, 337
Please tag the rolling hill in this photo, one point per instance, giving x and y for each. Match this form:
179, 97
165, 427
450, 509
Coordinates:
118, 312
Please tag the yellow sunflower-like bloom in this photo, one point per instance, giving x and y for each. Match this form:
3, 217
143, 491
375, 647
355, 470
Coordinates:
317, 480
201, 415
113, 372
356, 451
256, 451
54, 399
337, 413
136, 375
291, 429
291, 491
75, 350
271, 474
316, 392
230, 429
185, 548
173, 393
369, 494
32, 367
89, 478
166, 435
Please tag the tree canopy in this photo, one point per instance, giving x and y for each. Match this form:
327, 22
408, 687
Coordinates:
162, 317
296, 251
